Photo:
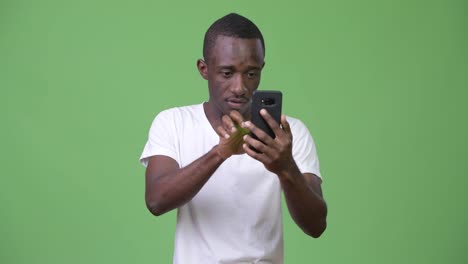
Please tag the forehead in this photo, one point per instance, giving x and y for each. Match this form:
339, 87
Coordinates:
237, 51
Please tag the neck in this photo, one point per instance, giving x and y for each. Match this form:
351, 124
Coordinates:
213, 116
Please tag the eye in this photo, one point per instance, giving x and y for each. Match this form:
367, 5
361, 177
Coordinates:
226, 74
252, 74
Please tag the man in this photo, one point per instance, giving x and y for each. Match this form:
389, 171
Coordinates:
198, 161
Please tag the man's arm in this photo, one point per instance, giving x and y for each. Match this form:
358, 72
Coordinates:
168, 186
305, 202
303, 192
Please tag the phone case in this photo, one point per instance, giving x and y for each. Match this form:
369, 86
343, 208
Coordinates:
270, 101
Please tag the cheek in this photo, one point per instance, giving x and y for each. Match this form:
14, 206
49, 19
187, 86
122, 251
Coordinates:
252, 85
215, 90
222, 85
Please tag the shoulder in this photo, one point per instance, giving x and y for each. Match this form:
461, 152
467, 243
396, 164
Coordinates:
180, 113
182, 110
296, 125
304, 150
299, 130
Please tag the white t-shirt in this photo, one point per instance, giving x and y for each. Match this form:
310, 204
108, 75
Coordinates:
236, 216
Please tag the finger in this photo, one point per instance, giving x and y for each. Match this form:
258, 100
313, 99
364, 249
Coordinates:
271, 122
285, 124
222, 132
236, 117
256, 144
228, 124
264, 137
256, 155
269, 150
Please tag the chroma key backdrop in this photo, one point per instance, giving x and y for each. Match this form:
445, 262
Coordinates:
381, 85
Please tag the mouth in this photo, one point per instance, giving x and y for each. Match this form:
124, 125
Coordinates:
237, 103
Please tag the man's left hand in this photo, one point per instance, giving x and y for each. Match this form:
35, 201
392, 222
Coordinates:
275, 154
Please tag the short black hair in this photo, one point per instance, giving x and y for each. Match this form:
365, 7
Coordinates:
231, 25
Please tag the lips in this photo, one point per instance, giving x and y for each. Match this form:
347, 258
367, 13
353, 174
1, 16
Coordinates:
236, 103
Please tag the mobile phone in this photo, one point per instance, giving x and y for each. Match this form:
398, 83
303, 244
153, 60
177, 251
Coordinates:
270, 101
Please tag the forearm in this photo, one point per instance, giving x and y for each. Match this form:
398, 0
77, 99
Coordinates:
306, 205
175, 188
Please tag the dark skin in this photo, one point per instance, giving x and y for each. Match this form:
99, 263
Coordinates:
233, 72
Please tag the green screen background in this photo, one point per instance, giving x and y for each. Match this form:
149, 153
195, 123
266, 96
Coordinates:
380, 84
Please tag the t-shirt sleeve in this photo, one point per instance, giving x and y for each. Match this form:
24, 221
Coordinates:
161, 139
304, 150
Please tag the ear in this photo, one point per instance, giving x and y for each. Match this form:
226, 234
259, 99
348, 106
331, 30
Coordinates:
202, 68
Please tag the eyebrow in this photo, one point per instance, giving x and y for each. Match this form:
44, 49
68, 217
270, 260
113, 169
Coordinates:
230, 67
220, 67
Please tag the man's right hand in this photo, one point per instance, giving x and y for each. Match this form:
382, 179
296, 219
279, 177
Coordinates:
231, 135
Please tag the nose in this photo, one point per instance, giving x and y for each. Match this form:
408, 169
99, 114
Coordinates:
238, 87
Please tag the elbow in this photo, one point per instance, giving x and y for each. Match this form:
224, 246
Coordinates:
317, 226
317, 231
156, 202
159, 203
155, 208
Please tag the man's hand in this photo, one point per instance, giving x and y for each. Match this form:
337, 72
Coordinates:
231, 135
303, 192
275, 154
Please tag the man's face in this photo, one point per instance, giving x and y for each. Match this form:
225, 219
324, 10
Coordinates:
233, 72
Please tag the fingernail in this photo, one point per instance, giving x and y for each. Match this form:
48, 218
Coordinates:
226, 135
245, 137
263, 111
247, 123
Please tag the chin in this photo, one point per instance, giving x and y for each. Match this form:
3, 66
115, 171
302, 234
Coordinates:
244, 111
